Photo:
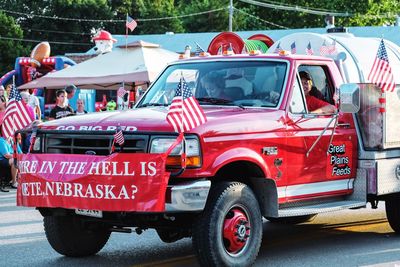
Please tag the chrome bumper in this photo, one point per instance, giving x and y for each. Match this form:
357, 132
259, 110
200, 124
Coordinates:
190, 196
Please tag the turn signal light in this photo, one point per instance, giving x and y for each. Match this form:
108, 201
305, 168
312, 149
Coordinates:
283, 52
204, 54
254, 52
190, 161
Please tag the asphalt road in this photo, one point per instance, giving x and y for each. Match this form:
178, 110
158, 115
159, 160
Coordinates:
346, 238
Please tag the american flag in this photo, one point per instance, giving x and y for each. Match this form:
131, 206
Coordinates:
119, 137
293, 48
199, 49
185, 112
121, 92
278, 48
130, 23
381, 72
16, 116
309, 50
324, 49
332, 48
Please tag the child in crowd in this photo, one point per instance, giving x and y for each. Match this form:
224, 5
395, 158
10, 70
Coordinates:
61, 110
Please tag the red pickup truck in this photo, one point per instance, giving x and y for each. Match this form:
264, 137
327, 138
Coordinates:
261, 153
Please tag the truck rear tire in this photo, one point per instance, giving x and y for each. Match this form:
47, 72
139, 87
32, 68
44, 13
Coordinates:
292, 220
229, 231
392, 206
68, 237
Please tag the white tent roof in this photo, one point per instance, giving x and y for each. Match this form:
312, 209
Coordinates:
139, 62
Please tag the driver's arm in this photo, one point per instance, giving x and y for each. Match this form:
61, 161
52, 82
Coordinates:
327, 109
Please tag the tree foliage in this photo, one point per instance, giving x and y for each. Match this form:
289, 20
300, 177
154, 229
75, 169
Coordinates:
360, 13
10, 48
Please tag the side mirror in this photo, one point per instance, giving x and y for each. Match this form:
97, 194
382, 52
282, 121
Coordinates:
349, 98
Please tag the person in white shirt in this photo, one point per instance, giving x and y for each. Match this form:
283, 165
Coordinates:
80, 107
33, 102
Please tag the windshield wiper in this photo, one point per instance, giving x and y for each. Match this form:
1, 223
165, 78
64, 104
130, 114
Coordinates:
153, 105
218, 101
213, 100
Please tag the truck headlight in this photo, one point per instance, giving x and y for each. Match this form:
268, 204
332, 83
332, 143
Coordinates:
161, 145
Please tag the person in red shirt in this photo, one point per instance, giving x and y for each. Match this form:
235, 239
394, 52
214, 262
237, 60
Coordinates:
314, 104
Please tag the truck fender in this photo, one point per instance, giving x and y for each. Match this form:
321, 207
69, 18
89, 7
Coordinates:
267, 195
240, 154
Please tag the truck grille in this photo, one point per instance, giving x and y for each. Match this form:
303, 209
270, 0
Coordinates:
89, 143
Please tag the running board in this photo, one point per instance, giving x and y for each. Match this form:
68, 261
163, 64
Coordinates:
320, 208
356, 200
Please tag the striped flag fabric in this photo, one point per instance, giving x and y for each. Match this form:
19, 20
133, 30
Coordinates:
119, 137
185, 113
121, 92
278, 48
309, 50
293, 48
324, 49
16, 115
130, 23
332, 48
381, 72
199, 49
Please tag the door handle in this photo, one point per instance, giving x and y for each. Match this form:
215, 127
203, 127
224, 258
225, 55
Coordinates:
343, 125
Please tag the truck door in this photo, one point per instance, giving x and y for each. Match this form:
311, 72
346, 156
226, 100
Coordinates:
324, 167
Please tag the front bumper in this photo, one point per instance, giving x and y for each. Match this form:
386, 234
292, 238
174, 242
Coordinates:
191, 196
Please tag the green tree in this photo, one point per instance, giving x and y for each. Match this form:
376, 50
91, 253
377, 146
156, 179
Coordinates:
363, 13
379, 13
208, 22
41, 21
146, 12
10, 47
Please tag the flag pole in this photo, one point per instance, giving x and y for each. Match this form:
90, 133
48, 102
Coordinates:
15, 148
183, 156
126, 32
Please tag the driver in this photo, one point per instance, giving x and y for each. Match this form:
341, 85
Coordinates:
314, 104
214, 85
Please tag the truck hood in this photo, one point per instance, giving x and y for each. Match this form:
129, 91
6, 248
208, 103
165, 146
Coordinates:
219, 120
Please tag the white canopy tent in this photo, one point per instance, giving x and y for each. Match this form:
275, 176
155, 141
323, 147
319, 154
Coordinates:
139, 62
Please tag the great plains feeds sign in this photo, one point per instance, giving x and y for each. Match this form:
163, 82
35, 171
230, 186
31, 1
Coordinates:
340, 160
119, 182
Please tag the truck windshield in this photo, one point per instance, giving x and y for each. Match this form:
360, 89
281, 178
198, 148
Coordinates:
231, 83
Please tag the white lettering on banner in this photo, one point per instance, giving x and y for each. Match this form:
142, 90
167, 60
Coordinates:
148, 168
96, 128
28, 166
77, 190
126, 168
103, 168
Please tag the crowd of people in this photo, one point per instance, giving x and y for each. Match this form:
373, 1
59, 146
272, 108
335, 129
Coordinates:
8, 170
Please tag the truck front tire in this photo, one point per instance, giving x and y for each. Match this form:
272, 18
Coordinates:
229, 231
392, 206
68, 237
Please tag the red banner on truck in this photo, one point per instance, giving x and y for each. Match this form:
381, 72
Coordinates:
119, 182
